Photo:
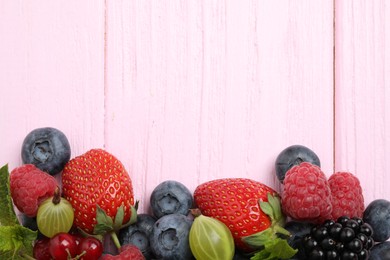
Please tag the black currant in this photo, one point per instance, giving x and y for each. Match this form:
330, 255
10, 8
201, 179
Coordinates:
342, 220
362, 237
334, 230
328, 244
317, 254
363, 255
355, 245
320, 233
348, 255
332, 255
366, 229
347, 234
352, 224
358, 220
309, 243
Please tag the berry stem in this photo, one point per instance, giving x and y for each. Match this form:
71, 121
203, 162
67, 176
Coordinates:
57, 196
196, 212
115, 239
27, 256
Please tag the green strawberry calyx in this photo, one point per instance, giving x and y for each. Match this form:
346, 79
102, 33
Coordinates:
269, 243
107, 225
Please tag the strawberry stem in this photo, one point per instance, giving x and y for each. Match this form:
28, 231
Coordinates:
115, 239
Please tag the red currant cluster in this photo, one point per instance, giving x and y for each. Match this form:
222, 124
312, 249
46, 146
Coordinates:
65, 246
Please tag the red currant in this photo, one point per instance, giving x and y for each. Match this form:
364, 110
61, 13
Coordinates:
90, 248
62, 245
41, 249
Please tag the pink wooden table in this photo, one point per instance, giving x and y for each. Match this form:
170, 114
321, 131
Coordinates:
198, 90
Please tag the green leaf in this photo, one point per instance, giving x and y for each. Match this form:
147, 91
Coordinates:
120, 215
7, 213
259, 239
104, 222
267, 209
274, 250
16, 240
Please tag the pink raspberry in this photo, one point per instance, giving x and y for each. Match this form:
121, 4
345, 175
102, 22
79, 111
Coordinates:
126, 252
306, 194
347, 195
29, 187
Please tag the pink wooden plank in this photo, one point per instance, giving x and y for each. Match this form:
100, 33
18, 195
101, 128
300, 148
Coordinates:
51, 73
203, 90
362, 93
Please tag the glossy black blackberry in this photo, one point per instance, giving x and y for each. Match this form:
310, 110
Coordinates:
346, 238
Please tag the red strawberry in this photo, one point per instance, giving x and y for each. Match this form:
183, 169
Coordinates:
306, 193
127, 251
96, 183
347, 195
29, 187
250, 209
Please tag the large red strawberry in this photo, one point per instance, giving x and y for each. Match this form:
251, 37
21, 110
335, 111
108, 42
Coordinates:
347, 195
100, 190
251, 211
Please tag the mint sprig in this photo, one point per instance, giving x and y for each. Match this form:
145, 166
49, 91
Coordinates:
7, 213
16, 241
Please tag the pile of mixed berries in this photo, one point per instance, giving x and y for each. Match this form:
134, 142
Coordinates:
84, 208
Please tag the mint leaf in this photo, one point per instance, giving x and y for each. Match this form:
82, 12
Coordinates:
7, 213
274, 250
15, 241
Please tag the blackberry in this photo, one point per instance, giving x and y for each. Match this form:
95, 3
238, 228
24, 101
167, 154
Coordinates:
346, 238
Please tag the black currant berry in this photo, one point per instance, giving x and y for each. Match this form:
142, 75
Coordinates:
355, 245
328, 244
317, 254
347, 234
335, 231
366, 229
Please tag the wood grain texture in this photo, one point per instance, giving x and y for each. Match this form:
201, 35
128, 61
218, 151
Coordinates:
51, 73
203, 90
363, 93
198, 90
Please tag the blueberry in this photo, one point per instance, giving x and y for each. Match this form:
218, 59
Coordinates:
139, 234
47, 148
170, 237
170, 197
291, 156
377, 215
380, 251
28, 222
298, 231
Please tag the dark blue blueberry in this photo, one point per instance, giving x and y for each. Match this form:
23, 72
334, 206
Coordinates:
298, 231
377, 215
291, 156
47, 148
28, 222
380, 251
138, 234
170, 237
170, 197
